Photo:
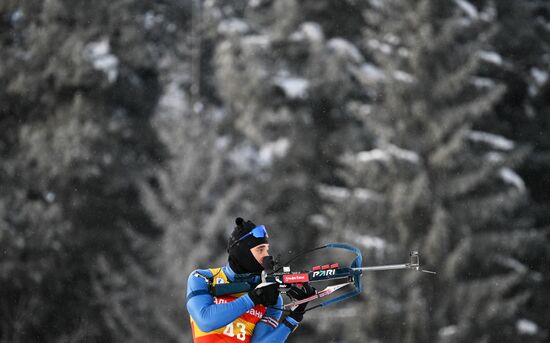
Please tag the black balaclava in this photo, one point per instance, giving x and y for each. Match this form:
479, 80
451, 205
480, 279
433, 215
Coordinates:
240, 258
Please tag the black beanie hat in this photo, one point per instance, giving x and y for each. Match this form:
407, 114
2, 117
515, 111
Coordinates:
240, 257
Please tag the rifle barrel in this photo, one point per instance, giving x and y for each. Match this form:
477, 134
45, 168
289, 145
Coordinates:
388, 267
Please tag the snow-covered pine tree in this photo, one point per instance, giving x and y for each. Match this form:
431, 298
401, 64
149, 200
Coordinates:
286, 86
521, 60
75, 141
434, 184
193, 198
282, 87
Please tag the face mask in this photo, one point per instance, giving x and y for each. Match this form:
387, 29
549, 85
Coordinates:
241, 259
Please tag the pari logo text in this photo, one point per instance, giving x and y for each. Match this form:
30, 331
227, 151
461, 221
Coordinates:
328, 272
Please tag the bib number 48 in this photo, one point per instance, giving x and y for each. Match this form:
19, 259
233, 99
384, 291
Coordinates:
230, 331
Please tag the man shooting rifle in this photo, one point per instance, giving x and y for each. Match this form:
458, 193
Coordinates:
252, 316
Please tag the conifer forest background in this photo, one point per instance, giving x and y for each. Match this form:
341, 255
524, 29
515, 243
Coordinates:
133, 132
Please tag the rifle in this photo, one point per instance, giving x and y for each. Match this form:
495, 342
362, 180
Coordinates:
347, 276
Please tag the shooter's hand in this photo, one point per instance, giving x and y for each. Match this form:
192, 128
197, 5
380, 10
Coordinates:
300, 293
265, 294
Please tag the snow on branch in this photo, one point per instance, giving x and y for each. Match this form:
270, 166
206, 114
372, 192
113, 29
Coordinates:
370, 72
346, 49
540, 76
512, 263
447, 331
293, 87
482, 82
256, 41
233, 26
342, 193
366, 241
273, 150
512, 178
252, 159
402, 76
495, 141
470, 10
392, 151
375, 44
491, 57
308, 31
527, 327
373, 155
404, 154
99, 54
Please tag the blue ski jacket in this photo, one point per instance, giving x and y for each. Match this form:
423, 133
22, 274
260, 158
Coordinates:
220, 317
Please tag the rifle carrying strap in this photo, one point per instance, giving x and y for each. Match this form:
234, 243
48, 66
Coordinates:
199, 292
219, 289
206, 279
230, 288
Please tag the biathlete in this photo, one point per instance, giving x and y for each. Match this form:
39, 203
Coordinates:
252, 316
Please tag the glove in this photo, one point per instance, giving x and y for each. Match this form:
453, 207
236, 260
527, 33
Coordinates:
265, 295
300, 293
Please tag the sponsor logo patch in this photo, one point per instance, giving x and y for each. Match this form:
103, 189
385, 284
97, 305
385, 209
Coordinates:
327, 272
295, 278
